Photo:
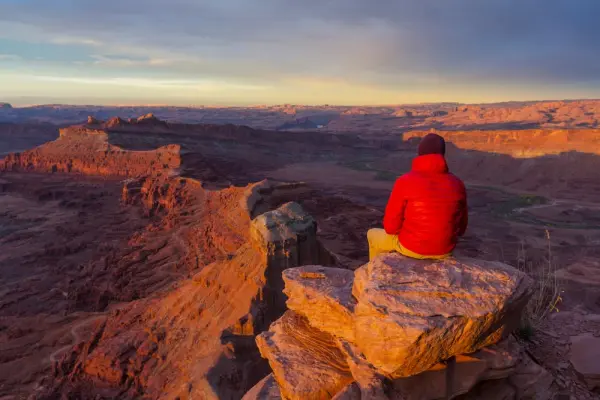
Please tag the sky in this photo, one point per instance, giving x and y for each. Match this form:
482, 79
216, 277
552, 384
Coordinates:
347, 52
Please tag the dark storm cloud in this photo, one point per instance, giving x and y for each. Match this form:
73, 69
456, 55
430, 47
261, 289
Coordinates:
377, 41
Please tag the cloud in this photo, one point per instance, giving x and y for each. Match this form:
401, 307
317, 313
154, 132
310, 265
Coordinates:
195, 85
391, 44
10, 57
116, 61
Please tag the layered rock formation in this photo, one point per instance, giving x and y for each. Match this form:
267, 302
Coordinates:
385, 331
197, 339
432, 311
87, 151
521, 143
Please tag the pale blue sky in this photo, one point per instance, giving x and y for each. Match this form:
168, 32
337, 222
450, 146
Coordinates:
285, 51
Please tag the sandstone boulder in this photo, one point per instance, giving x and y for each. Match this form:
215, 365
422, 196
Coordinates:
499, 372
288, 224
432, 310
306, 362
288, 233
324, 296
386, 329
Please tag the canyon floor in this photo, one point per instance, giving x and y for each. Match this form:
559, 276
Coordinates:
79, 242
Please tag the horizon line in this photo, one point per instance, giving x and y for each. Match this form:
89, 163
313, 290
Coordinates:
200, 106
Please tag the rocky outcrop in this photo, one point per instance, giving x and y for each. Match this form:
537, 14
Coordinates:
386, 330
288, 238
91, 121
521, 143
196, 340
147, 117
145, 122
158, 194
433, 310
306, 362
324, 296
288, 234
115, 122
88, 151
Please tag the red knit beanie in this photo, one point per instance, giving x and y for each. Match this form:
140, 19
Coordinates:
432, 144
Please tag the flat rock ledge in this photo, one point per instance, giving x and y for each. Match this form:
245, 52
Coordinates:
585, 357
386, 331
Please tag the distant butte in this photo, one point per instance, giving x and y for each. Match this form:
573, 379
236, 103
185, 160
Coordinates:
93, 121
86, 149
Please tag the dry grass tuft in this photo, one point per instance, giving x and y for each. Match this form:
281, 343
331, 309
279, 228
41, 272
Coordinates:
547, 295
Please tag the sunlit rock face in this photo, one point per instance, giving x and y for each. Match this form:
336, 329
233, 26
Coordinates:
386, 329
85, 150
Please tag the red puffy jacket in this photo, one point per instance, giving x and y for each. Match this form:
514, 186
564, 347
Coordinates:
427, 208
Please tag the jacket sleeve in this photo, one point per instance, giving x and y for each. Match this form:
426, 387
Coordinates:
464, 213
394, 211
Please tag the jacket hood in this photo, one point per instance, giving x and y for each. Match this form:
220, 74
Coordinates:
435, 163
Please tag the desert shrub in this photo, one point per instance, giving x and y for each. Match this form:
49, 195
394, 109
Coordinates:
532, 200
547, 289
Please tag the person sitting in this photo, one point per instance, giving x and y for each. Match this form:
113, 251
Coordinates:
427, 209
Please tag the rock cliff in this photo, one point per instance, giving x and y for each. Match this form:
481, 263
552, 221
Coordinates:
386, 330
522, 143
196, 339
84, 150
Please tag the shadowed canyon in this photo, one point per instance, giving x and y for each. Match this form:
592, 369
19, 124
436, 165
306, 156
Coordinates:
221, 253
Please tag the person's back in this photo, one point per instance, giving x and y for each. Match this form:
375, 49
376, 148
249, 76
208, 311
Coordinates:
427, 209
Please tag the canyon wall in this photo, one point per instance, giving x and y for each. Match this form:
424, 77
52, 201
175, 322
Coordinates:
523, 143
